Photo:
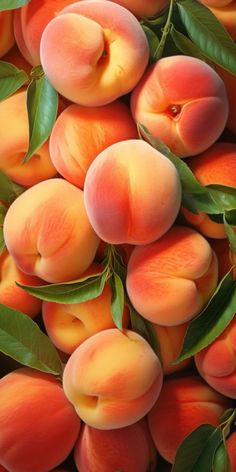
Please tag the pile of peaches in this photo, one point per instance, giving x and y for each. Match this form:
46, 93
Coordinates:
96, 190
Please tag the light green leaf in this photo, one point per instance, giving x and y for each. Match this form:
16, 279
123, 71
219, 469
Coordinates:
12, 4
117, 300
11, 79
3, 211
221, 459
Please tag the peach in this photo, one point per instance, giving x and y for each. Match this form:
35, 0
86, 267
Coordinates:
222, 251
183, 405
104, 55
39, 427
216, 3
7, 39
81, 133
187, 111
68, 325
170, 280
15, 144
128, 449
141, 200
231, 448
216, 363
230, 84
113, 379
47, 232
12, 295
217, 165
226, 14
140, 8
15, 57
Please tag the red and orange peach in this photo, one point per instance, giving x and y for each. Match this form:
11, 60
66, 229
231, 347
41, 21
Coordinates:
7, 39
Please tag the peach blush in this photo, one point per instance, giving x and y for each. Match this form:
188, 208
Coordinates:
188, 112
104, 56
140, 8
141, 201
81, 133
170, 280
47, 232
113, 379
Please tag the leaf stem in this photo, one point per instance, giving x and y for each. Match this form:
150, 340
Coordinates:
165, 32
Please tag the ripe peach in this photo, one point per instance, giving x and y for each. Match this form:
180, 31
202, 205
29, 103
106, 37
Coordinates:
184, 404
227, 16
12, 295
104, 55
170, 280
47, 232
140, 8
141, 200
113, 379
216, 3
231, 448
188, 112
13, 147
230, 84
81, 133
217, 165
128, 449
7, 39
39, 427
216, 363
68, 325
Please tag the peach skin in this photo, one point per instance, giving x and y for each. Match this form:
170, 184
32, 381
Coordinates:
47, 231
15, 144
129, 449
68, 325
217, 165
140, 8
222, 251
217, 362
231, 448
170, 280
230, 84
14, 296
184, 404
7, 39
104, 55
141, 201
226, 14
37, 419
81, 133
113, 379
188, 112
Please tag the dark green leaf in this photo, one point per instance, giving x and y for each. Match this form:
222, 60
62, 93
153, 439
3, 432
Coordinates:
206, 31
196, 452
8, 189
77, 291
21, 339
153, 42
11, 79
12, 4
231, 234
185, 45
212, 321
42, 104
145, 329
221, 459
119, 266
117, 300
3, 211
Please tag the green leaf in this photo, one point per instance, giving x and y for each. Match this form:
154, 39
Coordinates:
12, 4
145, 329
42, 105
21, 339
153, 41
185, 45
9, 191
206, 31
224, 197
77, 291
117, 300
221, 459
3, 211
231, 234
212, 321
196, 452
11, 79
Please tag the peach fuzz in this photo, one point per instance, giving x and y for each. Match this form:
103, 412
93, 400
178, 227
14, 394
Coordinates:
140, 8
128, 449
217, 362
140, 202
37, 418
113, 379
15, 144
7, 39
47, 232
227, 16
170, 280
184, 404
104, 55
188, 112
14, 296
81, 133
170, 339
217, 165
68, 325
231, 448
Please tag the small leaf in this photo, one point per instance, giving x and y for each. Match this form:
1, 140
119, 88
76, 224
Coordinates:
196, 452
9, 191
42, 104
145, 329
11, 79
153, 41
117, 300
185, 45
221, 459
21, 339
212, 321
77, 291
3, 211
224, 197
12, 4
206, 31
